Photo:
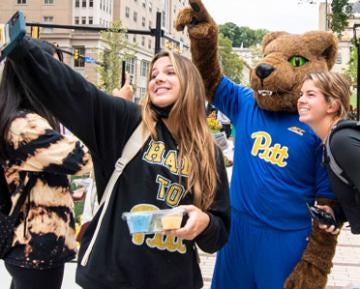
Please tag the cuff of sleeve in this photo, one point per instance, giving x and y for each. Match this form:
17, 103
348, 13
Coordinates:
204, 234
21, 49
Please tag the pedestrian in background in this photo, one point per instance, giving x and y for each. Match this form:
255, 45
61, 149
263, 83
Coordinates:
31, 148
324, 104
179, 164
225, 123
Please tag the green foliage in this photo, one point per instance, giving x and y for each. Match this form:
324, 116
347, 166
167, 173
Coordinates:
78, 210
341, 12
230, 61
351, 70
242, 36
118, 49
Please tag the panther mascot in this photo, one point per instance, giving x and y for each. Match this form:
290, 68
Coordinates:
277, 160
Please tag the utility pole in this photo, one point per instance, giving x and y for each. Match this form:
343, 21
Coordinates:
157, 32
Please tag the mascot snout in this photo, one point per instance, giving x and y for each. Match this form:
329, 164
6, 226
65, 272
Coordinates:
263, 70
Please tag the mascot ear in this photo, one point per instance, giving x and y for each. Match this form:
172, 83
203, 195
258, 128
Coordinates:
270, 37
324, 44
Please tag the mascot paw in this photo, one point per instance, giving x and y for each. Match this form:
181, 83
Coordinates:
197, 19
306, 276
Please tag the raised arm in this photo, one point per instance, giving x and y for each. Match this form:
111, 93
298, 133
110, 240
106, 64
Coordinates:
203, 33
78, 104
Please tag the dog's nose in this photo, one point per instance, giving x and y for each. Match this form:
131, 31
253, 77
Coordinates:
263, 70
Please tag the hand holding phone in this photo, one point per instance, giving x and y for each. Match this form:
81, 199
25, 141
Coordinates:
321, 216
11, 33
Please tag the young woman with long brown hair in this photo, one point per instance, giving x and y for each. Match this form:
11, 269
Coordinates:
179, 165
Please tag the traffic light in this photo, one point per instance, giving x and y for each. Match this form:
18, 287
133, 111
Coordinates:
35, 31
76, 54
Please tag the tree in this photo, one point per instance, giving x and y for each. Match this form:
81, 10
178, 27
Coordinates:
351, 71
339, 18
242, 36
230, 61
117, 50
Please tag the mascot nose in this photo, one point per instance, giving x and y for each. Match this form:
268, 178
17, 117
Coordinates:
263, 70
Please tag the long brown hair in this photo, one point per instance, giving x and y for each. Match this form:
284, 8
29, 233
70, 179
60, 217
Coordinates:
188, 126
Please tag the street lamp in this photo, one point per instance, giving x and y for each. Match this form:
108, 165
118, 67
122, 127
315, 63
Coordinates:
357, 43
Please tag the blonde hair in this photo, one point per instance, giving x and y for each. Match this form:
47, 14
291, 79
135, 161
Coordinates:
188, 126
334, 87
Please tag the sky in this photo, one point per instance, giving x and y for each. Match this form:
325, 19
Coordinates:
273, 15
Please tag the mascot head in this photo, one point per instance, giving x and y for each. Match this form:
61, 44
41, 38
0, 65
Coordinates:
286, 59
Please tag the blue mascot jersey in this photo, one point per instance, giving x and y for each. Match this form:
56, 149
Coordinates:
278, 161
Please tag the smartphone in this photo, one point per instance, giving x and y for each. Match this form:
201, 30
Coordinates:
11, 32
322, 216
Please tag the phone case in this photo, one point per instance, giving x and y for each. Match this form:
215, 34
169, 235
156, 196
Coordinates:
322, 216
14, 30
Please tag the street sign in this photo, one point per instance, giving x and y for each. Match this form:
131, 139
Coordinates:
89, 59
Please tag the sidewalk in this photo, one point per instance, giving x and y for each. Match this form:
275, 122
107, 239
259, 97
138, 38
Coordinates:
346, 263
346, 266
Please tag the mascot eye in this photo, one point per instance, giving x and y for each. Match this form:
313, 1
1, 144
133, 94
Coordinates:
297, 60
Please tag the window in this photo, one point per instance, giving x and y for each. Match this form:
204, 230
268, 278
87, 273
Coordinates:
143, 21
143, 3
150, 7
77, 3
150, 24
142, 94
339, 58
135, 16
76, 21
91, 21
83, 20
83, 3
149, 44
127, 12
48, 2
130, 66
20, 1
81, 52
144, 68
163, 18
48, 19
91, 3
143, 41
134, 38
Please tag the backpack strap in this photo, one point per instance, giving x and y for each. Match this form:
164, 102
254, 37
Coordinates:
334, 166
131, 148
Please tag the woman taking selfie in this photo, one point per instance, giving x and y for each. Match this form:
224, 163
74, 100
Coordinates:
179, 165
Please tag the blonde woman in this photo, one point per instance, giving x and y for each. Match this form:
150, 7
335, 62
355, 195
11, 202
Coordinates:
179, 165
323, 104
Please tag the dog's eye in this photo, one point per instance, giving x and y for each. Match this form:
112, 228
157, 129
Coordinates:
297, 60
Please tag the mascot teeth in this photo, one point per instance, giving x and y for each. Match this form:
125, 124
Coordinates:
265, 92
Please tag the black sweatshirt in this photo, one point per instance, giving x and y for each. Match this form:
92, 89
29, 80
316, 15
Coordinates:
150, 181
345, 148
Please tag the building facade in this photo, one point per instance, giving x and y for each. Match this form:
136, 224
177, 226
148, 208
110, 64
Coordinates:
137, 15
